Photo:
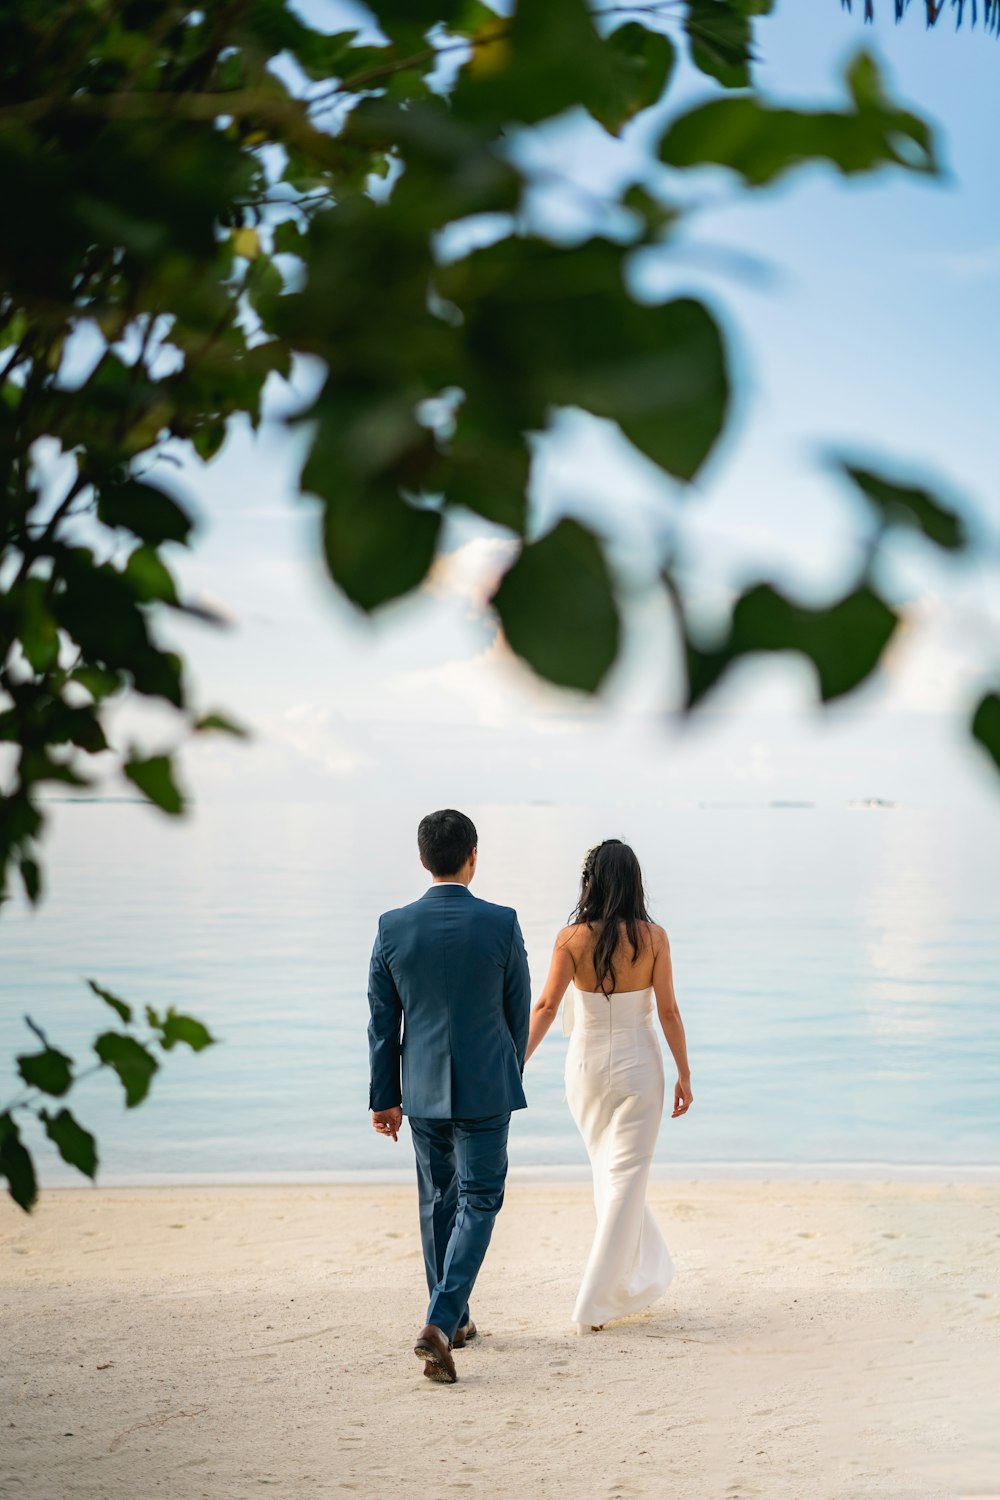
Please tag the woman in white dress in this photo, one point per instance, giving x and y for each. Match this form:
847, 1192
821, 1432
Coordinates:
616, 960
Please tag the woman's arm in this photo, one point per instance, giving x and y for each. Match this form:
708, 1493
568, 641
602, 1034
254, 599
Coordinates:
546, 1007
670, 1019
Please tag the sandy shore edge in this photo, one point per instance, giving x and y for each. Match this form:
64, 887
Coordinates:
822, 1338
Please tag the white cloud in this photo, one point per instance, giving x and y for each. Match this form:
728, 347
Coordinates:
491, 689
927, 668
981, 264
317, 735
472, 571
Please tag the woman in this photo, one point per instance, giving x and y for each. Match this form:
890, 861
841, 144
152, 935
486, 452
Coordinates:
617, 960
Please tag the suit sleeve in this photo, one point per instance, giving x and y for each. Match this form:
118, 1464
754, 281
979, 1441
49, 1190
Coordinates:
384, 1029
517, 992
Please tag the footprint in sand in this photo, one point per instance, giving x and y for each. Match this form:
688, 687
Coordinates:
891, 1234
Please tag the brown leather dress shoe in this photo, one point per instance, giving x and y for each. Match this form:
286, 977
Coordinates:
435, 1350
463, 1335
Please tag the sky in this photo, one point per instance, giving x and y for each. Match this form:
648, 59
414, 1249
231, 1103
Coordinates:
863, 318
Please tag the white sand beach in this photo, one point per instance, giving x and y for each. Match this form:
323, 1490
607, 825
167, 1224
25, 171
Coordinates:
821, 1341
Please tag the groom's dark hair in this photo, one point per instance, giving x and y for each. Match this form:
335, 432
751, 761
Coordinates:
445, 840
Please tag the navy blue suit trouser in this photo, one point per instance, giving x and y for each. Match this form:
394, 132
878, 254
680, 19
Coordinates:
461, 1172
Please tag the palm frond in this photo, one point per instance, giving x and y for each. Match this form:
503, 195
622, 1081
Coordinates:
934, 9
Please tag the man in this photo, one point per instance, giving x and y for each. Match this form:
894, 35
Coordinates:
451, 972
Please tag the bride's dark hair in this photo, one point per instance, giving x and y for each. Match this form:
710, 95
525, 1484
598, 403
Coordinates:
611, 892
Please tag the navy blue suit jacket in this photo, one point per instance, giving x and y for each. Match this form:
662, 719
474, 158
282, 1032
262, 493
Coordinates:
449, 996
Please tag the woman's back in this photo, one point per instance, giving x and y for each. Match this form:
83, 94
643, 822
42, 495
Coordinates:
633, 970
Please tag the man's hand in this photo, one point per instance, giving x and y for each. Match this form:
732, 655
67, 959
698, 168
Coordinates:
387, 1121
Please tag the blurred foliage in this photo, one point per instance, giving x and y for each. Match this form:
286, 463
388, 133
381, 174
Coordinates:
761, 143
196, 196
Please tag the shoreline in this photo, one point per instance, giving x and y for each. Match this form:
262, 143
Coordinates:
750, 1172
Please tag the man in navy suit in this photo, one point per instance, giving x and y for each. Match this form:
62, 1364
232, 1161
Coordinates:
449, 997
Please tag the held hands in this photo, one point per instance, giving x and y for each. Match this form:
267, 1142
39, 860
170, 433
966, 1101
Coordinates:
682, 1097
387, 1121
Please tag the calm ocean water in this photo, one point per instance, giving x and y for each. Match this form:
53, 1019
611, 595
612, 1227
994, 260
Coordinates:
838, 970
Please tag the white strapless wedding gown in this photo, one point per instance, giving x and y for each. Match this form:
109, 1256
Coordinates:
614, 1087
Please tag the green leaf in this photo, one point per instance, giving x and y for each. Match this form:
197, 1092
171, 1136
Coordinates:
655, 214
76, 1146
986, 725
520, 69
159, 674
485, 471
178, 1028
367, 451
133, 1063
20, 819
38, 631
451, 170
408, 84
276, 27
545, 327
42, 719
378, 546
100, 684
407, 22
641, 63
121, 1006
220, 723
145, 510
80, 727
99, 610
155, 779
49, 1070
264, 287
31, 877
150, 577
762, 142
208, 438
910, 504
557, 608
36, 765
16, 1165
230, 73
844, 640
720, 36
289, 238
471, 16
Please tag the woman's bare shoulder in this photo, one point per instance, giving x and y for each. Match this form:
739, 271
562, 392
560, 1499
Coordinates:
658, 937
571, 936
